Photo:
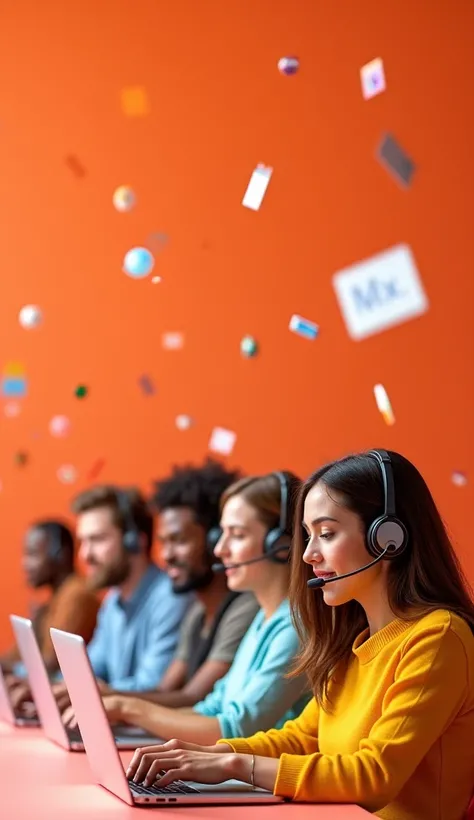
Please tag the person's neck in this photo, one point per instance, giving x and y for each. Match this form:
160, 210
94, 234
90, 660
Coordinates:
60, 578
211, 597
139, 566
377, 610
274, 592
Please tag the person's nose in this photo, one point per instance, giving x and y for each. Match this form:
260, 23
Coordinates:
221, 547
167, 551
312, 555
85, 551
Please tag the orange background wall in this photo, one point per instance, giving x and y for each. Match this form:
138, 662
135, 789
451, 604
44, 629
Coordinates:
218, 106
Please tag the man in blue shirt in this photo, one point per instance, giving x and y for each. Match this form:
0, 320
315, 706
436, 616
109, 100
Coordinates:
138, 623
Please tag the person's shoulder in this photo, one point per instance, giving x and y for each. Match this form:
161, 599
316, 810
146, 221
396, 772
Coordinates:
74, 585
245, 603
444, 623
194, 613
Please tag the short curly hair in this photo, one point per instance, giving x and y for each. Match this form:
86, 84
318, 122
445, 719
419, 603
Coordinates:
198, 488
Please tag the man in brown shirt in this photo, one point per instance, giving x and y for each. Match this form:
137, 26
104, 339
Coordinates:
48, 561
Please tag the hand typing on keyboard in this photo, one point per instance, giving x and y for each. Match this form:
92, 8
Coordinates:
175, 761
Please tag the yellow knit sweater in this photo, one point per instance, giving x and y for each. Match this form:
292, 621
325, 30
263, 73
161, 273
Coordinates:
399, 739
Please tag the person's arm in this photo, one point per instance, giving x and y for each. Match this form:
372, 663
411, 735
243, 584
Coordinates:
195, 690
266, 695
166, 723
430, 688
298, 737
76, 612
162, 636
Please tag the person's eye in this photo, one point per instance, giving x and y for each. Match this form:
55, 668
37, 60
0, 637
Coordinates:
326, 535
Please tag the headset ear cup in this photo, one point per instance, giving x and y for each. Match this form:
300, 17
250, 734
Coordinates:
276, 540
389, 532
131, 542
212, 538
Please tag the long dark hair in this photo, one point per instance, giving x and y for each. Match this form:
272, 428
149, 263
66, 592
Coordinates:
425, 577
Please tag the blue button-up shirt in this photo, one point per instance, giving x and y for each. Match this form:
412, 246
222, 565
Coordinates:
135, 640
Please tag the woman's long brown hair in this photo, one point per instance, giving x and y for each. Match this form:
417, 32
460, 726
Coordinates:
425, 577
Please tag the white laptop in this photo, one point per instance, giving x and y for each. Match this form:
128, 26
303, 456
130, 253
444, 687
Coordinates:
128, 737
102, 752
16, 717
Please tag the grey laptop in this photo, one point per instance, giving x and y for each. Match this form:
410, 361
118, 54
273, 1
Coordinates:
102, 753
50, 717
16, 717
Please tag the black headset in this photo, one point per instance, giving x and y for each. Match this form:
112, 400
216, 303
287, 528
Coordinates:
55, 539
387, 532
278, 538
131, 539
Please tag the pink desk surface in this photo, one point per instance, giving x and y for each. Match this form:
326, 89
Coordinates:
40, 781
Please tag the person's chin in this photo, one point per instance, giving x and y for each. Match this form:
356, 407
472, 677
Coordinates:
234, 582
333, 596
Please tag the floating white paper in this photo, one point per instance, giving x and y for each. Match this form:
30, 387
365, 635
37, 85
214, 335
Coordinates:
222, 441
257, 186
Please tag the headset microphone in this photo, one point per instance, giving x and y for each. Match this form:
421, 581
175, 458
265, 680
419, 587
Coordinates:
316, 583
268, 556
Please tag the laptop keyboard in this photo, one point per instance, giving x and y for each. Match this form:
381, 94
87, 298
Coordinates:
178, 787
74, 736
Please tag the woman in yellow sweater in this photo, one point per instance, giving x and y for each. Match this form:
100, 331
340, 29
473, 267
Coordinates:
388, 648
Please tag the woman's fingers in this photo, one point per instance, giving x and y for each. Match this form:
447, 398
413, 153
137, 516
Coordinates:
159, 760
170, 745
168, 777
153, 773
137, 758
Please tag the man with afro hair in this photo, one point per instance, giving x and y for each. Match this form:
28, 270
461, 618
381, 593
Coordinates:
187, 506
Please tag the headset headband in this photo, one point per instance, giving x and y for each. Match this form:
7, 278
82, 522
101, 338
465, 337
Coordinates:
125, 510
283, 479
385, 463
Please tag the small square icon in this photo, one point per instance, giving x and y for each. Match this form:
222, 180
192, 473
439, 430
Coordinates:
135, 101
222, 441
372, 78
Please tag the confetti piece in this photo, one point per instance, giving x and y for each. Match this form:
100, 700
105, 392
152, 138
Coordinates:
372, 78
222, 441
172, 341
288, 65
75, 166
383, 404
14, 369
59, 426
67, 474
459, 479
135, 101
155, 280
183, 422
81, 391
30, 317
12, 409
14, 386
248, 347
395, 160
303, 327
21, 458
158, 239
123, 199
138, 263
257, 186
96, 469
146, 385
